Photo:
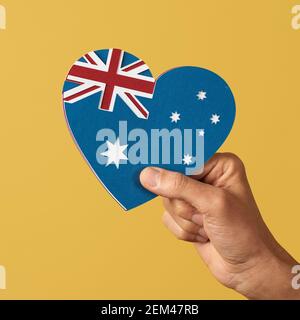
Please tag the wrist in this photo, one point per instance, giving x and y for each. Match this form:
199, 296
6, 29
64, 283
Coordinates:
271, 278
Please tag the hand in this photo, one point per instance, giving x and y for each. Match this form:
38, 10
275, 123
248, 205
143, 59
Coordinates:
217, 211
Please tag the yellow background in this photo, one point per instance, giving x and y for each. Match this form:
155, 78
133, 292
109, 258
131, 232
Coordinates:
61, 235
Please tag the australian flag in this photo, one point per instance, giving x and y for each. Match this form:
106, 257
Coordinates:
123, 120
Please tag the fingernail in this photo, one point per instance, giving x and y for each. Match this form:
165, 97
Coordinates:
150, 177
201, 239
196, 218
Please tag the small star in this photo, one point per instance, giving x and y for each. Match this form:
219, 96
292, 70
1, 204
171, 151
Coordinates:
114, 153
201, 132
175, 117
201, 95
215, 119
187, 159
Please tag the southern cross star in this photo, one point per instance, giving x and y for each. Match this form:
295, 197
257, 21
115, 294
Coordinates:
114, 153
201, 95
187, 159
175, 117
215, 119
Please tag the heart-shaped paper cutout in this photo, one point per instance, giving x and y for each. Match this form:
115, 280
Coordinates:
121, 127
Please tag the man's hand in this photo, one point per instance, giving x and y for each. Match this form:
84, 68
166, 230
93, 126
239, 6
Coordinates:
217, 211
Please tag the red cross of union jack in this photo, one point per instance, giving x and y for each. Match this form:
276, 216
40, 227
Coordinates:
111, 78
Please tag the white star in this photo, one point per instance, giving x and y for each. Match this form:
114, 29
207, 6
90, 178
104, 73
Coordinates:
175, 117
201, 132
114, 153
187, 159
215, 119
201, 95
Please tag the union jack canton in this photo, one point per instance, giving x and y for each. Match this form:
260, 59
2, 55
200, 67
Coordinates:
111, 77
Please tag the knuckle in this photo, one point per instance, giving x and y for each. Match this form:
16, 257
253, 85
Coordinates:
166, 203
181, 235
166, 218
178, 182
235, 162
190, 227
186, 226
180, 211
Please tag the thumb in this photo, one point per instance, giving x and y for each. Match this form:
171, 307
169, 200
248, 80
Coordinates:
175, 185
